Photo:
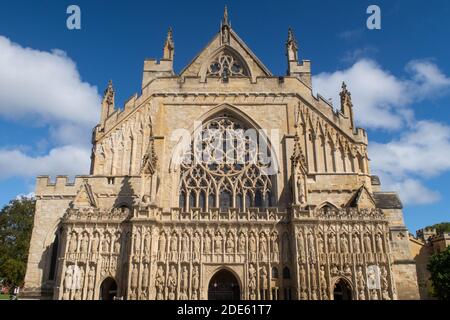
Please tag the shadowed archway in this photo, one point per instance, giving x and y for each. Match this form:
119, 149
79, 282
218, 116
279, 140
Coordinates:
342, 290
108, 289
224, 286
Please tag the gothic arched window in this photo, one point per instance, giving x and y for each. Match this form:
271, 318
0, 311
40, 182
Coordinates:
286, 273
228, 160
226, 64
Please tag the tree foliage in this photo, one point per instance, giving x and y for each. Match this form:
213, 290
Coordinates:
16, 224
439, 267
441, 227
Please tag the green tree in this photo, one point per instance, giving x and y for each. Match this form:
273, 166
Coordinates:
16, 224
442, 227
439, 267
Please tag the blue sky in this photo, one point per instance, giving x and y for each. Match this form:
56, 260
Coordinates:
399, 77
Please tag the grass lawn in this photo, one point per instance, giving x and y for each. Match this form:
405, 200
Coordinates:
4, 296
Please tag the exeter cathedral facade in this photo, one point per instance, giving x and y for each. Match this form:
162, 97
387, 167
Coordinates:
222, 181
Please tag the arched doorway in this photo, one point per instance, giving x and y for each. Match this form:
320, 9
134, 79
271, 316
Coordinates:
108, 289
342, 290
223, 286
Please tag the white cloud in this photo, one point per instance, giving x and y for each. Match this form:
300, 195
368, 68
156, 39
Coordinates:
45, 87
380, 99
67, 160
419, 153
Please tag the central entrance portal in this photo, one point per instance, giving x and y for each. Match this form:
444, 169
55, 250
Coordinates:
224, 286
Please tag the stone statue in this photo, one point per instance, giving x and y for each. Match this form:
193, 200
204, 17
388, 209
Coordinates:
184, 283
356, 244
73, 242
147, 244
195, 283
117, 244
230, 244
302, 277
134, 277
320, 245
137, 244
95, 243
301, 189
84, 243
367, 243
207, 243
379, 242
218, 249
145, 277
68, 279
263, 248
301, 245
263, 283
322, 277
185, 247
275, 249
159, 283
106, 244
311, 247
91, 282
241, 244
252, 247
172, 282
173, 247
196, 248
252, 282
360, 278
332, 243
344, 244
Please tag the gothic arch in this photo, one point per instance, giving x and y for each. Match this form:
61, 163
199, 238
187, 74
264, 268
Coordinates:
327, 204
346, 287
225, 50
232, 272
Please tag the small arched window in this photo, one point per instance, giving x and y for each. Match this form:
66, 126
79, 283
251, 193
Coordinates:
274, 273
211, 200
286, 273
225, 201
202, 201
192, 199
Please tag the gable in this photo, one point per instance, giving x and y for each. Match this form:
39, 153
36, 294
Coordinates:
85, 197
362, 199
233, 47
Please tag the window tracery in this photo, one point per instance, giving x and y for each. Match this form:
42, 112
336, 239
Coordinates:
227, 65
224, 168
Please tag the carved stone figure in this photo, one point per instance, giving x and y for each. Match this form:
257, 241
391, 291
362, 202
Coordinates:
184, 283
320, 245
207, 243
230, 244
360, 279
117, 244
159, 283
147, 244
91, 282
196, 247
137, 244
367, 243
344, 244
73, 242
68, 281
172, 282
356, 244
252, 282
218, 246
302, 277
252, 247
301, 245
106, 243
331, 243
263, 248
263, 283
173, 247
379, 243
241, 244
195, 283
84, 243
145, 276
134, 277
322, 277
95, 243
311, 247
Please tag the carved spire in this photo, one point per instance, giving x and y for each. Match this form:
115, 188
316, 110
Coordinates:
346, 104
169, 46
225, 17
291, 46
225, 28
298, 156
150, 159
108, 102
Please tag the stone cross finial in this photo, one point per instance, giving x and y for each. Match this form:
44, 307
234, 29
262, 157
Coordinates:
225, 16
